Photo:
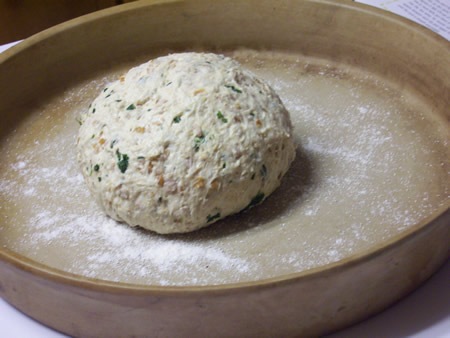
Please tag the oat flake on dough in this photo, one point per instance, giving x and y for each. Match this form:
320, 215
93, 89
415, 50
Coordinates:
182, 141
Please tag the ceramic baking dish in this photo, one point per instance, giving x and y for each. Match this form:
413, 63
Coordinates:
362, 217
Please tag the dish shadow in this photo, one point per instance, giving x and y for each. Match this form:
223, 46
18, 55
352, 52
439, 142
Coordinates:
298, 181
423, 311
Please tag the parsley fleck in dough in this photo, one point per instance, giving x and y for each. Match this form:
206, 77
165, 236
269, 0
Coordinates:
182, 141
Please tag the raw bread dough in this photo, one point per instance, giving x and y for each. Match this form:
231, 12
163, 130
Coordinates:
182, 141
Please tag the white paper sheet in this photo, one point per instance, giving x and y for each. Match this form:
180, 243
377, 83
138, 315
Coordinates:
433, 14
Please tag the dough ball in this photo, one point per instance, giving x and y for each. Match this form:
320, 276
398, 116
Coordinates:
183, 141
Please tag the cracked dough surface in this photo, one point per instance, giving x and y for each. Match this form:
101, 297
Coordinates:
182, 141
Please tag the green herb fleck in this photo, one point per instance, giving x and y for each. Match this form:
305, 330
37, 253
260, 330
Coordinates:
109, 94
99, 179
198, 140
221, 117
118, 100
122, 161
96, 167
263, 171
141, 157
252, 114
131, 107
211, 218
177, 119
224, 165
79, 121
105, 89
256, 200
93, 135
93, 111
113, 142
253, 176
234, 89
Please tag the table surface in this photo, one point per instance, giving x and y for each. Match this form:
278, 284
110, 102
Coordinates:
422, 314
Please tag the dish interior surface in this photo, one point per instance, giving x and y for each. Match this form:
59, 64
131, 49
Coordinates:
372, 163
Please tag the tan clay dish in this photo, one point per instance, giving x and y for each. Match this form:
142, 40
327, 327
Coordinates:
361, 220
